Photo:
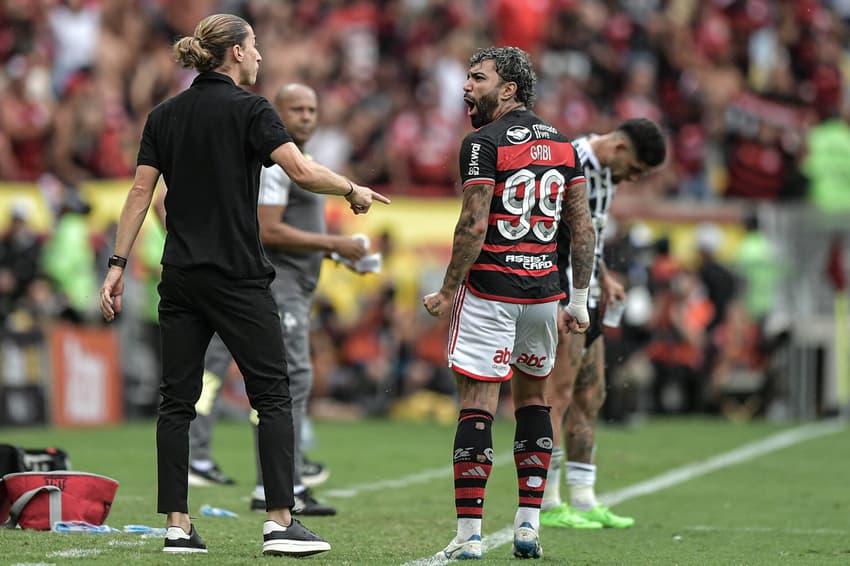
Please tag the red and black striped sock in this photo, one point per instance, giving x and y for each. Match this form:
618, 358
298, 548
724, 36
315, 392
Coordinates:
473, 460
532, 453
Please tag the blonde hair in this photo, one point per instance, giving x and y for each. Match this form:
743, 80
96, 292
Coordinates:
207, 48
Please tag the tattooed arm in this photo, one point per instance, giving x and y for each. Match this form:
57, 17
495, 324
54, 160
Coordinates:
576, 216
468, 238
612, 289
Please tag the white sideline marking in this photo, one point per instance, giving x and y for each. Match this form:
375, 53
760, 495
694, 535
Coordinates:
114, 542
73, 553
421, 477
677, 476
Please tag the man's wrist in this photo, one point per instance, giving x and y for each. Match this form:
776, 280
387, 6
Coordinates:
578, 297
350, 189
117, 261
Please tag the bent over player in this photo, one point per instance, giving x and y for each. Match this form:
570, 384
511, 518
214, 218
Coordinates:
501, 286
576, 389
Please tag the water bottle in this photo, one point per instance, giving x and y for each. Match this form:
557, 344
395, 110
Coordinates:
614, 314
145, 530
82, 527
208, 511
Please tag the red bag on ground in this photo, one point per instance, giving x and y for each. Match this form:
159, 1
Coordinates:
38, 500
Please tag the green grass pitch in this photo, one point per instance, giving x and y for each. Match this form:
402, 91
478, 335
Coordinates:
392, 485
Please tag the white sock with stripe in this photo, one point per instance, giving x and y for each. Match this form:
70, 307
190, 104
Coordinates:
552, 493
581, 478
468, 527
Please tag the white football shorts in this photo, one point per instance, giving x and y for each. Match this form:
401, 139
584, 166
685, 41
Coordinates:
486, 337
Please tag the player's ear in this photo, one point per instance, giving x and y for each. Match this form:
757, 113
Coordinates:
238, 52
508, 90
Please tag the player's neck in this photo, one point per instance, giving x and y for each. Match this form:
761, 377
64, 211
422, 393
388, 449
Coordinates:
506, 108
597, 145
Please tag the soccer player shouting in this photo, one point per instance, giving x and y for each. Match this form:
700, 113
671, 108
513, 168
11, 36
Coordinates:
501, 286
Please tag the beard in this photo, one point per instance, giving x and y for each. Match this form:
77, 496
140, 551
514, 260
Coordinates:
484, 109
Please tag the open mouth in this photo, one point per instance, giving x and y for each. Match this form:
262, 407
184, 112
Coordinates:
470, 105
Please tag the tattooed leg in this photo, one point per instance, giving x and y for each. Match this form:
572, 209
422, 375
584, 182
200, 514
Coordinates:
588, 396
559, 386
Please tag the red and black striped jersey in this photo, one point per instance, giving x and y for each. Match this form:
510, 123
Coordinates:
530, 164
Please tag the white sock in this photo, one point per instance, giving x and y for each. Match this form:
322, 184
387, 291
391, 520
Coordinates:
527, 515
552, 493
581, 478
203, 465
299, 489
259, 492
468, 527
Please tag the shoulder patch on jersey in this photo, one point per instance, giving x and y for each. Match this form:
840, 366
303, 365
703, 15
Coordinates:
518, 134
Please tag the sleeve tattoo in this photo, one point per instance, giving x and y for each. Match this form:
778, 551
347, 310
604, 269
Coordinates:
583, 237
469, 234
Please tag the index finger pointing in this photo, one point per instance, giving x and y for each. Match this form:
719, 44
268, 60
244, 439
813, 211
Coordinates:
380, 198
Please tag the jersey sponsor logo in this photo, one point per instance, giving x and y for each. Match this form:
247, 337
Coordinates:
518, 134
530, 262
544, 131
502, 356
475, 149
531, 360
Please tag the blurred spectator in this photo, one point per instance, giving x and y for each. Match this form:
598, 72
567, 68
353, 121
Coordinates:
74, 26
88, 140
521, 23
739, 367
761, 270
763, 141
677, 348
827, 164
25, 118
68, 260
20, 256
422, 144
718, 281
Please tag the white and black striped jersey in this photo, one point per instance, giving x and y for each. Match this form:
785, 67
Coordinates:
530, 164
600, 194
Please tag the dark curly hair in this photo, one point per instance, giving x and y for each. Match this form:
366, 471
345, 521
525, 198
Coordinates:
513, 65
647, 139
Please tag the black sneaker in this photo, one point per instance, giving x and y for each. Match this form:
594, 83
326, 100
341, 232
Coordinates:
313, 473
294, 540
178, 542
306, 504
258, 505
208, 478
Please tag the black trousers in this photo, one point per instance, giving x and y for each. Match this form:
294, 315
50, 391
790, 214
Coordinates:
195, 303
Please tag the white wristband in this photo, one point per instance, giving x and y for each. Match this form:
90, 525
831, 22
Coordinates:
578, 304
578, 297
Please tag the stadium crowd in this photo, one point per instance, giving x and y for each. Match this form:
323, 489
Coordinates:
742, 88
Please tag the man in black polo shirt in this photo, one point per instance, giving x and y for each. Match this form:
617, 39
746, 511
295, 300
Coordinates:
209, 143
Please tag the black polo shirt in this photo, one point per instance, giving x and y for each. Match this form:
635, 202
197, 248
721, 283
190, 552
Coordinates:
209, 142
